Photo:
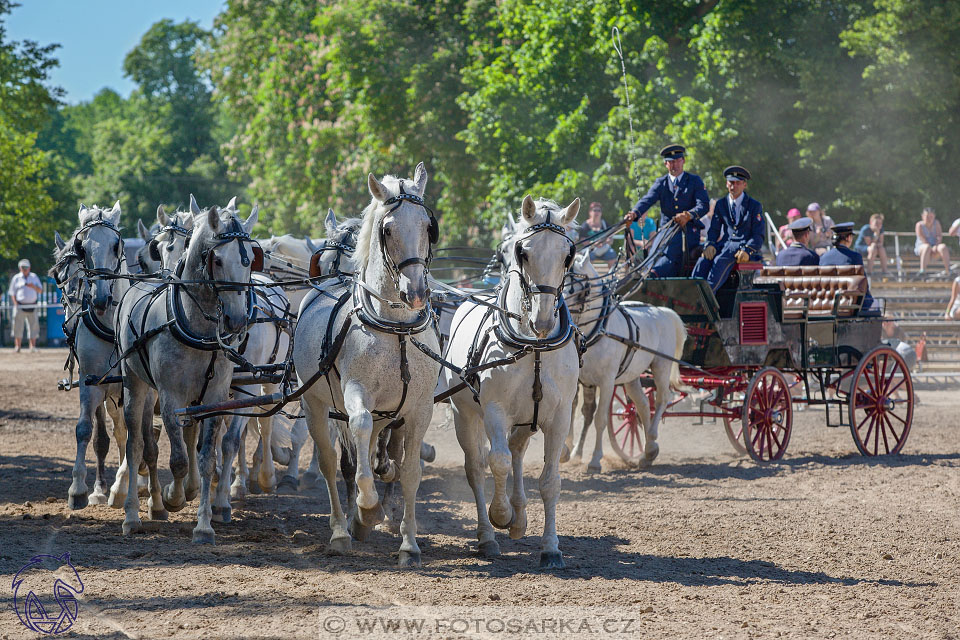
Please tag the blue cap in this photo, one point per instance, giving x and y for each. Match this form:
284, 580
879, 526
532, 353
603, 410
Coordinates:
843, 227
801, 225
672, 151
736, 172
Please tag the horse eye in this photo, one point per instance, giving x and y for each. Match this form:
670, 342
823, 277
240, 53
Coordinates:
386, 231
218, 262
169, 247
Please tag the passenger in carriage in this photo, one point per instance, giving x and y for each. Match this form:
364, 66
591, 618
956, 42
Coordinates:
797, 254
682, 197
736, 233
843, 254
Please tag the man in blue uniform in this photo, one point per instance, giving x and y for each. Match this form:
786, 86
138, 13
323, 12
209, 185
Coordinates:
682, 197
842, 241
842, 254
797, 254
736, 232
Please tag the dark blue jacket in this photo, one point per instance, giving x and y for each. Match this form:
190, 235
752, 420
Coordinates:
743, 232
797, 255
691, 196
840, 255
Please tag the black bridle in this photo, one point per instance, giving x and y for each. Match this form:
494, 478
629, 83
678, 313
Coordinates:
528, 289
433, 234
80, 253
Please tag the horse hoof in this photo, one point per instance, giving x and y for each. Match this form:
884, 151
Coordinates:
132, 526
490, 549
255, 487
390, 526
551, 560
221, 514
159, 514
309, 480
428, 453
564, 454
238, 492
594, 468
116, 500
359, 531
287, 486
171, 506
78, 501
340, 545
498, 525
97, 498
204, 536
191, 494
371, 517
409, 559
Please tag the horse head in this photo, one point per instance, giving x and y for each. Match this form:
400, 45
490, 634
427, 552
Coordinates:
99, 246
539, 254
395, 238
221, 251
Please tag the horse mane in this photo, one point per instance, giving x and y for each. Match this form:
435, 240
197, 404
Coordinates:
346, 228
361, 256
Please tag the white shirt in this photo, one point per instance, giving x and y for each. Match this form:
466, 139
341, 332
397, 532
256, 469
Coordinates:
674, 181
735, 204
20, 291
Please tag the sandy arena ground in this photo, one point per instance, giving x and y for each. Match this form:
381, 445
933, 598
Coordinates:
703, 544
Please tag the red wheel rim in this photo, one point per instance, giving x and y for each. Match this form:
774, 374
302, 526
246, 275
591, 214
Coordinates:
881, 403
626, 436
767, 416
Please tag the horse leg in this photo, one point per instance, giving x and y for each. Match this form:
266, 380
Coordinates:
587, 410
135, 393
361, 430
550, 556
392, 493
519, 439
298, 437
151, 452
267, 472
651, 426
238, 490
601, 396
203, 532
174, 498
101, 445
312, 475
118, 492
499, 459
90, 398
192, 484
230, 442
410, 475
348, 470
317, 417
468, 434
568, 440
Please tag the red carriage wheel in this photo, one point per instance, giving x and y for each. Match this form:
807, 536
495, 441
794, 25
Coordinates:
624, 428
734, 430
767, 415
881, 403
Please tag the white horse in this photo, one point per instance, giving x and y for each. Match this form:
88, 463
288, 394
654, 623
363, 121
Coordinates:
365, 342
162, 249
170, 336
531, 379
96, 245
608, 361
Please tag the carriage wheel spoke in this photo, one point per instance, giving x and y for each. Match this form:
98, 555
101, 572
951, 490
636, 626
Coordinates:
886, 423
892, 413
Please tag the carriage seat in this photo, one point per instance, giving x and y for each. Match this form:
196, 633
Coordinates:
819, 287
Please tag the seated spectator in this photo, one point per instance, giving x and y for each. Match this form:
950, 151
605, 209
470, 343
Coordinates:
595, 224
870, 244
821, 236
643, 230
896, 338
785, 234
953, 307
929, 243
954, 229
797, 254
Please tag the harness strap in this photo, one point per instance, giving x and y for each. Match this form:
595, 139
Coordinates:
207, 377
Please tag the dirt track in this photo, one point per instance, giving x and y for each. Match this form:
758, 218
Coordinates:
703, 544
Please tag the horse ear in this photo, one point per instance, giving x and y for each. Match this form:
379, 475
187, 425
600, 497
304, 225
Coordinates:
143, 231
528, 209
194, 207
115, 213
83, 209
420, 179
58, 241
251, 219
570, 213
162, 216
330, 223
377, 190
213, 215
312, 248
233, 203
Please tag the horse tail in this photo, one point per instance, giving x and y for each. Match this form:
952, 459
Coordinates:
681, 337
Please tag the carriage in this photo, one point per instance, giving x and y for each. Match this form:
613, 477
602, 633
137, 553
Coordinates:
772, 338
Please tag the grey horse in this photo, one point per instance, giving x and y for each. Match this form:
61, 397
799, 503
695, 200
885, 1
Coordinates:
169, 335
